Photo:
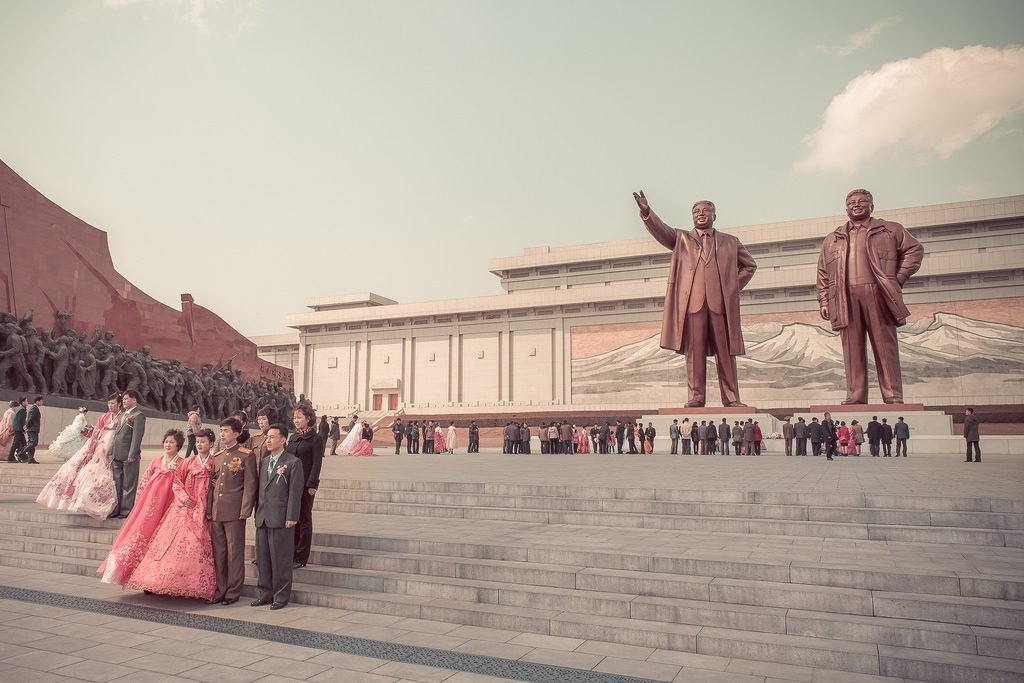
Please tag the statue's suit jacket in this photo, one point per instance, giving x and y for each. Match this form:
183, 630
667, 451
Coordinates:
127, 441
280, 496
735, 266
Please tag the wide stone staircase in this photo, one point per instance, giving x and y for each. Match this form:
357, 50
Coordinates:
913, 587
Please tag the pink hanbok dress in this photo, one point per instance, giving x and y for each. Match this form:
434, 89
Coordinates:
439, 445
179, 560
85, 483
155, 496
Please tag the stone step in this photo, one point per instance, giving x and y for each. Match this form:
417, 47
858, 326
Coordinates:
856, 531
788, 649
926, 635
947, 667
686, 573
950, 609
887, 516
38, 475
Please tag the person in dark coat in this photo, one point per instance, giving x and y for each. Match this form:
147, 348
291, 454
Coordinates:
758, 438
33, 420
711, 437
620, 435
901, 430
748, 437
524, 439
649, 435
723, 435
673, 436
886, 438
695, 437
800, 435
817, 435
631, 437
474, 437
737, 438
606, 431
412, 437
18, 430
828, 430
972, 435
874, 435
306, 445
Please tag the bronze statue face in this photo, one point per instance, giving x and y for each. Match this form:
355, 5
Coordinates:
859, 206
703, 215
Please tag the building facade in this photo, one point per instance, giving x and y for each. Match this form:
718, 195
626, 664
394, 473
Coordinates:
577, 328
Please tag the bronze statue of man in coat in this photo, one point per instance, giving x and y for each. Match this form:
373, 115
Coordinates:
862, 268
702, 301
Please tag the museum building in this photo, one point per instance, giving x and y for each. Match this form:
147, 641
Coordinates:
576, 328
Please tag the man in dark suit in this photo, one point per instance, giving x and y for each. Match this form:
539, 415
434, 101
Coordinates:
229, 502
874, 435
605, 432
398, 432
886, 438
724, 432
620, 436
800, 433
972, 435
18, 430
126, 452
412, 437
788, 434
702, 301
828, 432
428, 436
631, 437
673, 436
817, 436
277, 512
33, 419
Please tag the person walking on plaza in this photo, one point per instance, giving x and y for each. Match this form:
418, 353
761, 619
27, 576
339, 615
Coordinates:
874, 433
856, 437
192, 426
843, 437
800, 435
398, 432
412, 437
524, 440
724, 434
126, 452
451, 439
828, 430
305, 444
972, 434
788, 434
281, 485
33, 421
230, 500
333, 436
673, 435
748, 437
18, 431
886, 438
817, 435
684, 435
737, 438
901, 430
474, 437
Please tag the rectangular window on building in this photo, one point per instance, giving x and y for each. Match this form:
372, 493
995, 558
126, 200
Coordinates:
549, 271
627, 264
583, 267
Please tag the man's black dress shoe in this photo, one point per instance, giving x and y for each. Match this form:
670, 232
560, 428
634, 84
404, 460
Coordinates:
125, 516
227, 601
33, 461
259, 603
298, 565
148, 592
278, 605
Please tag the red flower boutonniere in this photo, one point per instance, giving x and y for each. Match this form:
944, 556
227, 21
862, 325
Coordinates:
281, 469
130, 422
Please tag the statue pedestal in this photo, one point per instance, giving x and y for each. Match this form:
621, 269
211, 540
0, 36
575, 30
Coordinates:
663, 419
873, 408
709, 410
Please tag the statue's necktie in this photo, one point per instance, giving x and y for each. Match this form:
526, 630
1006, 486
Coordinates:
705, 247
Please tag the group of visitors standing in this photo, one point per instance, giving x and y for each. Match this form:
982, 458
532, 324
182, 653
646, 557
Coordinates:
19, 429
708, 438
184, 529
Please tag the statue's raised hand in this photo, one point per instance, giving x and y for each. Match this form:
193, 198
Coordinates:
641, 201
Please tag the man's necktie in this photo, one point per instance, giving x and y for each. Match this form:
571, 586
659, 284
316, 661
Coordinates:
705, 247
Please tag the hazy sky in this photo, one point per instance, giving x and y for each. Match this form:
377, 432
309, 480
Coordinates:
308, 148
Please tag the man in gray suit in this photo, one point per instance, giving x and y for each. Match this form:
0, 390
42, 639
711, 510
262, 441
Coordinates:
126, 452
277, 513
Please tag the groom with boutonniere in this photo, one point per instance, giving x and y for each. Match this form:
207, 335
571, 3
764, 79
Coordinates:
277, 513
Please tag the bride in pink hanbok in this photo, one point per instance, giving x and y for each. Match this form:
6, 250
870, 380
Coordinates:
155, 496
85, 483
179, 560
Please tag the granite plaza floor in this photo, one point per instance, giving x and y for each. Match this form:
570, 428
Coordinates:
58, 626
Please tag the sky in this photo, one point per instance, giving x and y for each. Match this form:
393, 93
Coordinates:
309, 148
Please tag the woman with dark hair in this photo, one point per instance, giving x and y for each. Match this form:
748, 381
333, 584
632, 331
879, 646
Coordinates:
306, 445
179, 560
85, 483
155, 496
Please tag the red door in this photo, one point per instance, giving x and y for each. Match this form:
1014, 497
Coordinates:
392, 401
378, 401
